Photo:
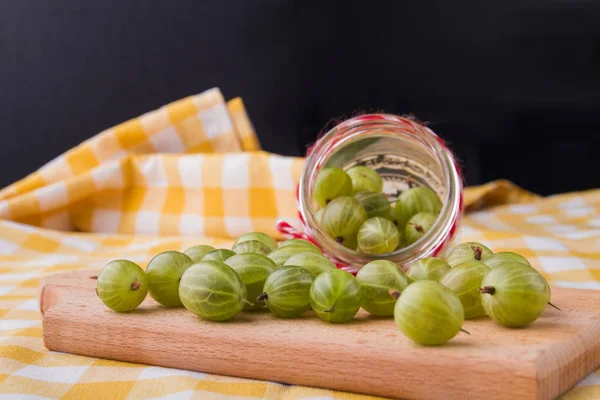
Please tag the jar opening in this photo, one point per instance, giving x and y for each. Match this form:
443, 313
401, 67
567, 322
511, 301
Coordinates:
405, 154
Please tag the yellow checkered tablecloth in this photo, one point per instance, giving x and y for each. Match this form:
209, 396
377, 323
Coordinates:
192, 172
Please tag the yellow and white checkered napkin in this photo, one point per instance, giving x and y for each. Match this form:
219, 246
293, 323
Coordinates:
192, 172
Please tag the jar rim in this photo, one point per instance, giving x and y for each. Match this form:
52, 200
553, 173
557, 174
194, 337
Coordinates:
447, 222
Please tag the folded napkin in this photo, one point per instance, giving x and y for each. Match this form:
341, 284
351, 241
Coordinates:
193, 172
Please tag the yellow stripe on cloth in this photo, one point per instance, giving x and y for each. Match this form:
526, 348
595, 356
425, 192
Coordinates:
192, 172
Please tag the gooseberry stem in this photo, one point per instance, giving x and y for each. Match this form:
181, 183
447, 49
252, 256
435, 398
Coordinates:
464, 331
136, 285
487, 290
262, 297
550, 304
332, 309
339, 239
477, 252
395, 294
247, 302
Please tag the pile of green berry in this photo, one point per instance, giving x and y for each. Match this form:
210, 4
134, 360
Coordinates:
429, 302
355, 213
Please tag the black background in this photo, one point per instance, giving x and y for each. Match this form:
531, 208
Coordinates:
513, 85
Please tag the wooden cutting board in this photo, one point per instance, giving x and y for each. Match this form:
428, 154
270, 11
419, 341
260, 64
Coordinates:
368, 355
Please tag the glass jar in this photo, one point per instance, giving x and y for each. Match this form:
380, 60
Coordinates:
406, 154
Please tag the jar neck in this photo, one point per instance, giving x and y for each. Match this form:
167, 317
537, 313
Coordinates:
386, 125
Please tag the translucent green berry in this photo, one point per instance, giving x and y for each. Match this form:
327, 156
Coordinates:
514, 294
212, 291
122, 285
260, 236
377, 279
282, 254
497, 259
287, 292
414, 201
315, 263
365, 179
429, 313
197, 252
465, 280
164, 273
299, 242
375, 204
251, 246
378, 236
468, 251
218, 255
342, 218
331, 183
335, 296
428, 269
253, 269
417, 226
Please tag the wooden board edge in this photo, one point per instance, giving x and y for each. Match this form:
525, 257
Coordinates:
583, 354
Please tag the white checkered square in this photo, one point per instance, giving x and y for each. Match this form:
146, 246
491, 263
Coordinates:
216, 120
541, 219
147, 222
235, 171
191, 225
540, 243
7, 247
154, 173
281, 171
53, 196
560, 264
190, 171
59, 221
105, 221
69, 374
108, 176
56, 170
167, 141
523, 209
237, 226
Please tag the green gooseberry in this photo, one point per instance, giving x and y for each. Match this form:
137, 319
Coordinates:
282, 254
335, 296
197, 252
378, 236
504, 257
315, 263
465, 280
375, 204
319, 215
428, 269
212, 290
417, 226
414, 201
260, 236
253, 269
514, 294
287, 292
298, 242
122, 285
377, 279
331, 183
164, 272
468, 251
251, 246
428, 313
218, 255
342, 219
365, 179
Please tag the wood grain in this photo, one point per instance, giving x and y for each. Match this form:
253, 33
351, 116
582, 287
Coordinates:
368, 355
